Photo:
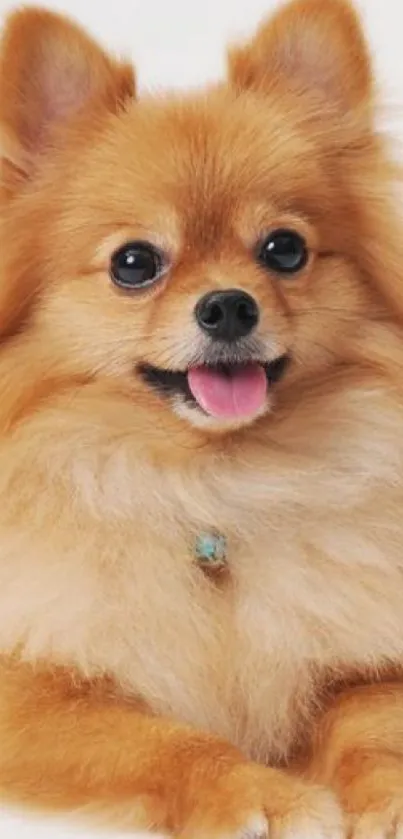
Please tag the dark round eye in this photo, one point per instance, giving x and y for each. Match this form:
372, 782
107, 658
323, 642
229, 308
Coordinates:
136, 266
284, 251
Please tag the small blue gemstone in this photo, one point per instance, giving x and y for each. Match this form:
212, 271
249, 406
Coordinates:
211, 548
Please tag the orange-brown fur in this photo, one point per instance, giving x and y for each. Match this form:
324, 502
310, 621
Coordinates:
132, 684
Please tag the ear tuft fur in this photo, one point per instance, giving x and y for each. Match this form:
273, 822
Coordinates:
49, 71
314, 46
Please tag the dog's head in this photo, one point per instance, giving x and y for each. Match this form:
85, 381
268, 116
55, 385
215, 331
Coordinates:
206, 252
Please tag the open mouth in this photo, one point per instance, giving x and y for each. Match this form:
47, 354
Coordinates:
227, 391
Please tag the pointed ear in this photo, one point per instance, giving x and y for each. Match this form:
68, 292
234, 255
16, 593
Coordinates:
49, 71
309, 45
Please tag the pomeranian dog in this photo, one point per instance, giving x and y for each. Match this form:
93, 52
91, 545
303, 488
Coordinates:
201, 438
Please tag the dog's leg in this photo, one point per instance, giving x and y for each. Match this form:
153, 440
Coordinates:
359, 753
72, 746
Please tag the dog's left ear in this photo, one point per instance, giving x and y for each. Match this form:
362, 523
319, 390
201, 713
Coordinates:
309, 46
51, 70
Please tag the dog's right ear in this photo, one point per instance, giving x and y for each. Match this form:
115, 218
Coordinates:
49, 71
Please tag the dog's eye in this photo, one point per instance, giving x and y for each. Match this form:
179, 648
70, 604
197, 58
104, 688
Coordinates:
284, 252
136, 266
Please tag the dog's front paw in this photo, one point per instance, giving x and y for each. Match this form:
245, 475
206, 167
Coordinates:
385, 824
371, 790
253, 802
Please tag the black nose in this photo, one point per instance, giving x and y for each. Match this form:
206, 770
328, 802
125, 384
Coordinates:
227, 315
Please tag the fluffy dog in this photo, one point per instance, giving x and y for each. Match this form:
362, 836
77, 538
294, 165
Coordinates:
201, 438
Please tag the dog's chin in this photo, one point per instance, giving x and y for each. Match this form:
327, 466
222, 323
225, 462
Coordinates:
218, 398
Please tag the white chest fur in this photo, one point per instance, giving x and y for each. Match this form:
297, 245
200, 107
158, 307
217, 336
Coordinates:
99, 572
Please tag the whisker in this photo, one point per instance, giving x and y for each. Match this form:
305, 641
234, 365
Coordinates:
325, 310
382, 316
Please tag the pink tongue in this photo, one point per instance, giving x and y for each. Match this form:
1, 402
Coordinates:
239, 393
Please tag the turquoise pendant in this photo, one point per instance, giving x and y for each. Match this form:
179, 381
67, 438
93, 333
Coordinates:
211, 550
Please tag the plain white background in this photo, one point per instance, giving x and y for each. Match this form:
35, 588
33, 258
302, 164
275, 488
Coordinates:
180, 43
